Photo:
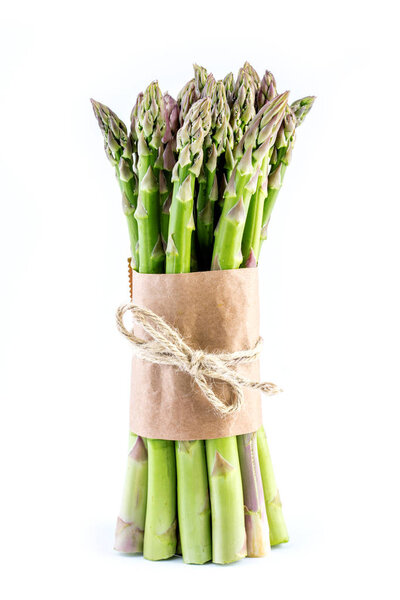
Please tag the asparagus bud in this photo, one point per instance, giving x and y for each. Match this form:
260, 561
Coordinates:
253, 74
118, 149
200, 77
267, 90
186, 98
229, 83
209, 87
301, 108
242, 110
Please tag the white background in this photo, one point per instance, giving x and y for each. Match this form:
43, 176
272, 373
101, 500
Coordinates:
330, 293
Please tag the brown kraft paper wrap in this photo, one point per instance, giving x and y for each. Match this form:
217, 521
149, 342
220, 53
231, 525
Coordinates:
215, 311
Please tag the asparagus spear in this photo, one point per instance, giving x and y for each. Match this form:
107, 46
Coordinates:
186, 98
301, 108
168, 160
252, 232
226, 493
160, 525
190, 139
134, 117
253, 74
150, 129
118, 148
242, 112
251, 155
281, 157
229, 83
267, 90
150, 126
130, 524
277, 528
200, 77
193, 498
193, 502
208, 89
214, 147
171, 118
257, 531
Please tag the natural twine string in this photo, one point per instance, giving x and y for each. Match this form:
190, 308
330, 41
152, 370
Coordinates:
167, 347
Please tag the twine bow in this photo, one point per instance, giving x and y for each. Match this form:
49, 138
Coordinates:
167, 347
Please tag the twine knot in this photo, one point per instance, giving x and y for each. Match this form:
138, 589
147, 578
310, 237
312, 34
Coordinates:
196, 363
167, 347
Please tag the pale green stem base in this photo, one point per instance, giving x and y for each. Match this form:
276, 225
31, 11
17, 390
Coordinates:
193, 502
226, 493
278, 533
160, 526
256, 521
130, 524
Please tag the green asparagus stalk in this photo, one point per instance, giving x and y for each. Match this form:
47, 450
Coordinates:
150, 129
278, 533
190, 140
257, 531
193, 502
160, 525
214, 147
252, 233
130, 524
242, 112
207, 194
228, 528
118, 148
150, 126
193, 497
168, 160
251, 155
281, 157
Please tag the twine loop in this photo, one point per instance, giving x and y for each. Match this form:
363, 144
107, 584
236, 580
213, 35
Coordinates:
167, 347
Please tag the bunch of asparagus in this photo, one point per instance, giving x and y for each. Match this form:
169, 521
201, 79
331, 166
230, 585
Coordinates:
199, 177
